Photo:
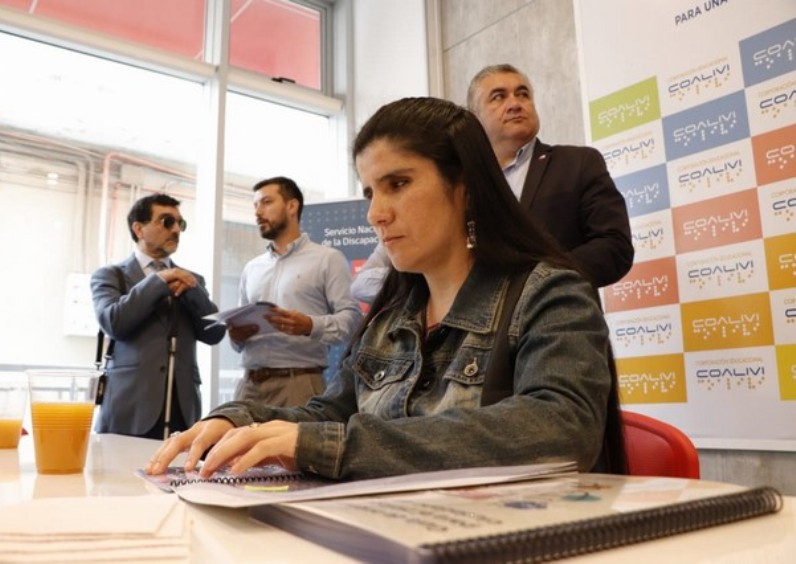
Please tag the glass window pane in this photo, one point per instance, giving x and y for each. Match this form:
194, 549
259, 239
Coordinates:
65, 94
264, 139
277, 38
176, 26
80, 138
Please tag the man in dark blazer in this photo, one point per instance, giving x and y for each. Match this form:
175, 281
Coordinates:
141, 303
566, 188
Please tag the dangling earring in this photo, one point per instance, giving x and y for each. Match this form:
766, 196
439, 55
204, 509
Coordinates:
471, 241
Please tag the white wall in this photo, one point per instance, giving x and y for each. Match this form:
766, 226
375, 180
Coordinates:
390, 54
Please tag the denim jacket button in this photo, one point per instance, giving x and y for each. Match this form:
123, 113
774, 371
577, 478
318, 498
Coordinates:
379, 376
471, 369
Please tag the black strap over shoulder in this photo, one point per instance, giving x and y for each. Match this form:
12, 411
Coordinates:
499, 382
499, 379
98, 362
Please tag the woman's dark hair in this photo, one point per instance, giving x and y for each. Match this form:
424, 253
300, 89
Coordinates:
508, 240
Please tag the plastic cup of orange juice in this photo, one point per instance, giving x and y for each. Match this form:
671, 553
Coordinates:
61, 411
13, 402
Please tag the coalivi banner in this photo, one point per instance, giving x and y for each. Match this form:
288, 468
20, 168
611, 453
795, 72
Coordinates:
693, 106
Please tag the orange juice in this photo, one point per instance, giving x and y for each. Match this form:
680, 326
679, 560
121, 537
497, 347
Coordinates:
10, 430
60, 436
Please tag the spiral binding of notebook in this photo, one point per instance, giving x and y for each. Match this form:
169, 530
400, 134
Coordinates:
567, 540
241, 479
176, 476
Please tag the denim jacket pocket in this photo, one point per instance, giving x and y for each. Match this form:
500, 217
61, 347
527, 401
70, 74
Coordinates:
377, 372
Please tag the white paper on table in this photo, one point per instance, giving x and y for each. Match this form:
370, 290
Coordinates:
95, 528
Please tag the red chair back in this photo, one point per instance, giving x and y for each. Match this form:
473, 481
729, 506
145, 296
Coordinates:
656, 448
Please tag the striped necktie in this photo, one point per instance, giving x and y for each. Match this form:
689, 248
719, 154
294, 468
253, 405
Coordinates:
157, 266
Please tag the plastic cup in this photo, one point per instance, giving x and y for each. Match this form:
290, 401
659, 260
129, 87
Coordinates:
61, 410
13, 402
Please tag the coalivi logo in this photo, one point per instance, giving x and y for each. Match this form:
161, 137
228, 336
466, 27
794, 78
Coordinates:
648, 236
714, 173
650, 283
781, 261
706, 126
703, 129
716, 222
769, 54
746, 374
790, 315
786, 368
782, 156
777, 100
643, 195
645, 191
787, 262
783, 204
625, 109
775, 155
742, 321
640, 288
777, 50
638, 333
722, 272
724, 326
652, 379
693, 82
637, 149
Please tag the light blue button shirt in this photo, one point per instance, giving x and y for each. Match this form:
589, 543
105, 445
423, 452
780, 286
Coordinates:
309, 278
516, 171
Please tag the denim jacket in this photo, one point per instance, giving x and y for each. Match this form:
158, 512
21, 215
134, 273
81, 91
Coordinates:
397, 407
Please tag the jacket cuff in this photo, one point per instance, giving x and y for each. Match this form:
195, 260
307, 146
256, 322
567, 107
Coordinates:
237, 417
319, 448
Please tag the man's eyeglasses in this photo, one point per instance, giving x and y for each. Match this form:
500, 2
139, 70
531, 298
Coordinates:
168, 221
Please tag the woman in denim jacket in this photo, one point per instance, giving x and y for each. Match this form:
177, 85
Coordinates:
408, 396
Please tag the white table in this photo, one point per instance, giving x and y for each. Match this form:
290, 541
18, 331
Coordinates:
219, 535
227, 535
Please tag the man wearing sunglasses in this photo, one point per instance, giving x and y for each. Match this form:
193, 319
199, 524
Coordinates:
153, 310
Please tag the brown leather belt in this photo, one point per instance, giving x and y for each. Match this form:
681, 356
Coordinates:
258, 375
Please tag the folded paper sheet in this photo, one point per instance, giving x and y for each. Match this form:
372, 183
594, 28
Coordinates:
140, 528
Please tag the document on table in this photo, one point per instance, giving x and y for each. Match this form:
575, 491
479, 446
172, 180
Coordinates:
251, 493
109, 528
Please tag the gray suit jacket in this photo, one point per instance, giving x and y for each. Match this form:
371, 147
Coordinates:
569, 191
139, 321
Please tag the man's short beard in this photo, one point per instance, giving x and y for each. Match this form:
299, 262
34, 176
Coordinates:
274, 231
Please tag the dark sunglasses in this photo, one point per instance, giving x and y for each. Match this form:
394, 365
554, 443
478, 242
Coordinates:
168, 221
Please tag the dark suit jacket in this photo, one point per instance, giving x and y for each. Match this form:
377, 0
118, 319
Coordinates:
569, 191
138, 320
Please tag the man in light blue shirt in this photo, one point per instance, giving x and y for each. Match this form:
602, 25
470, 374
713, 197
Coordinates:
311, 287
